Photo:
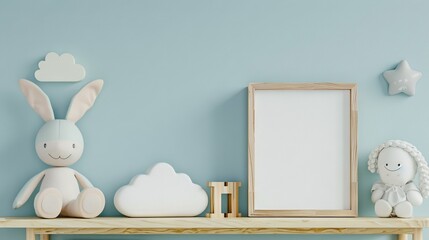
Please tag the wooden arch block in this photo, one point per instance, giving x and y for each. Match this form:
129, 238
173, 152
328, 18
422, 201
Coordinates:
216, 191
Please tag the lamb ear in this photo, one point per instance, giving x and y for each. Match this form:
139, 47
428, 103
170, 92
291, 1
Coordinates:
84, 100
37, 99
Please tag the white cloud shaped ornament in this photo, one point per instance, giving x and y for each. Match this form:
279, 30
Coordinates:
161, 193
59, 68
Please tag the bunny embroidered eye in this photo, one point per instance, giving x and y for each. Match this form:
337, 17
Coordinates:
399, 164
387, 164
73, 145
44, 145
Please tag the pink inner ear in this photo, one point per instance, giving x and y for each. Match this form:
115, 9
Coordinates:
37, 99
84, 100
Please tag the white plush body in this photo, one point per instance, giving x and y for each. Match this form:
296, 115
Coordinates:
59, 143
395, 194
63, 179
397, 163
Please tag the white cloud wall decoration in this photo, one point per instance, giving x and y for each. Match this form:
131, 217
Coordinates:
59, 68
161, 193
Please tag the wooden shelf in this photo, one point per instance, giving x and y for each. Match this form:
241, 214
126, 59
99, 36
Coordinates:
214, 223
199, 225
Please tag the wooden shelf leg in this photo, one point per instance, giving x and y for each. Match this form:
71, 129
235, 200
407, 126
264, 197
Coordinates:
44, 236
418, 234
30, 235
402, 236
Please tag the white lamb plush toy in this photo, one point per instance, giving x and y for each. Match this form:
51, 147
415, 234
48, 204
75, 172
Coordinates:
397, 162
59, 143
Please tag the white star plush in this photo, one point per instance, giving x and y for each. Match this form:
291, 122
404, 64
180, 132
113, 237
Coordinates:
402, 79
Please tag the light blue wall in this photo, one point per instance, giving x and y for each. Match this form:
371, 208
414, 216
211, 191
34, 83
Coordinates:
176, 74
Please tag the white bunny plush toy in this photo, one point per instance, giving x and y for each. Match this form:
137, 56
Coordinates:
397, 162
59, 143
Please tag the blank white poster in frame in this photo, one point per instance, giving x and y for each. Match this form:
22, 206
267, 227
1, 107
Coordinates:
302, 150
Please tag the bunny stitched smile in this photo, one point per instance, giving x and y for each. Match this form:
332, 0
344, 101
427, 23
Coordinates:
59, 157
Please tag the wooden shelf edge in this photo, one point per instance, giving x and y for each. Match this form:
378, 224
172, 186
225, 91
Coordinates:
214, 223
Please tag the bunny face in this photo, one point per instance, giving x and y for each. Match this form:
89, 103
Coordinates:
59, 143
396, 166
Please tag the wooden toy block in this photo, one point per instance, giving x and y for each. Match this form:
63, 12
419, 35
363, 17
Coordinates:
216, 191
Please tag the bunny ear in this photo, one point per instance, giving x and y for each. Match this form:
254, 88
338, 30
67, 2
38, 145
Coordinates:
37, 99
84, 100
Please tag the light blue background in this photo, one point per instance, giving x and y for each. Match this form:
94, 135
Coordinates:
176, 76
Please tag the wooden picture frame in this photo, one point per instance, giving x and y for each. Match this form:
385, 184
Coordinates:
302, 150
